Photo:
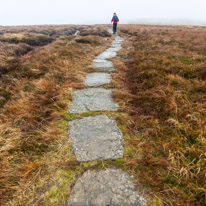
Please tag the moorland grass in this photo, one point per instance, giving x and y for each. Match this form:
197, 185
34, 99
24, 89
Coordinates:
160, 84
160, 87
36, 89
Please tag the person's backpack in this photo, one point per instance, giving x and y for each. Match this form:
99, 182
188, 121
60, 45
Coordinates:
114, 18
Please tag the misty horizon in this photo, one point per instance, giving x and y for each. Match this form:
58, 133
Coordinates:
80, 12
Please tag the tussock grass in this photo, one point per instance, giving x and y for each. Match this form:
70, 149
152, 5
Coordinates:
30, 39
36, 89
48, 30
160, 85
98, 31
89, 40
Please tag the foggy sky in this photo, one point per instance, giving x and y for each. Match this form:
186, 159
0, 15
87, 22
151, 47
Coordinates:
36, 12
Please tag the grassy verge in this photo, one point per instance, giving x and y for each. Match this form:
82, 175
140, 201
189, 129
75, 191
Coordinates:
160, 84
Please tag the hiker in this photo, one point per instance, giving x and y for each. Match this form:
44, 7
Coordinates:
115, 20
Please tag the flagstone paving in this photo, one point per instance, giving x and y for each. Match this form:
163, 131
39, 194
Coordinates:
99, 138
111, 187
103, 65
98, 79
91, 100
107, 55
114, 49
96, 138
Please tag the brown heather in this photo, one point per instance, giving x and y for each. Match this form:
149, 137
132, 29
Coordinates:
161, 87
40, 66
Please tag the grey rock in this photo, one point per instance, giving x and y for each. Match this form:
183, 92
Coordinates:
117, 41
98, 79
100, 60
96, 138
114, 49
116, 44
107, 55
94, 99
118, 38
106, 67
111, 187
103, 65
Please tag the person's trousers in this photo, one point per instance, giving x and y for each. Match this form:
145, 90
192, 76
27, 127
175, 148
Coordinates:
114, 27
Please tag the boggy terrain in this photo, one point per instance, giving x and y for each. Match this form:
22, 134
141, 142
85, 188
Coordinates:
159, 83
39, 68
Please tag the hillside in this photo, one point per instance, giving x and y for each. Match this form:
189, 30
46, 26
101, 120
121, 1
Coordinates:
159, 84
40, 67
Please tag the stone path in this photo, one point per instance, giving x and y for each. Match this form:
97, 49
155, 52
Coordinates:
98, 79
105, 188
103, 65
96, 138
107, 55
91, 100
99, 138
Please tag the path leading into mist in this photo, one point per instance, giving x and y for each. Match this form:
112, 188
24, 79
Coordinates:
99, 138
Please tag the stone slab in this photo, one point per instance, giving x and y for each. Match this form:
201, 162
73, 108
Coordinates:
100, 60
96, 138
117, 41
116, 44
114, 49
118, 38
93, 99
110, 187
103, 65
107, 55
97, 79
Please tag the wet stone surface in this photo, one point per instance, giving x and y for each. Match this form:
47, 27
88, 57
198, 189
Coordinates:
98, 79
96, 138
111, 187
94, 99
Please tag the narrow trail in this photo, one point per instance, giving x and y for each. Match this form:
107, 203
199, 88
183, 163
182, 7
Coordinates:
99, 138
